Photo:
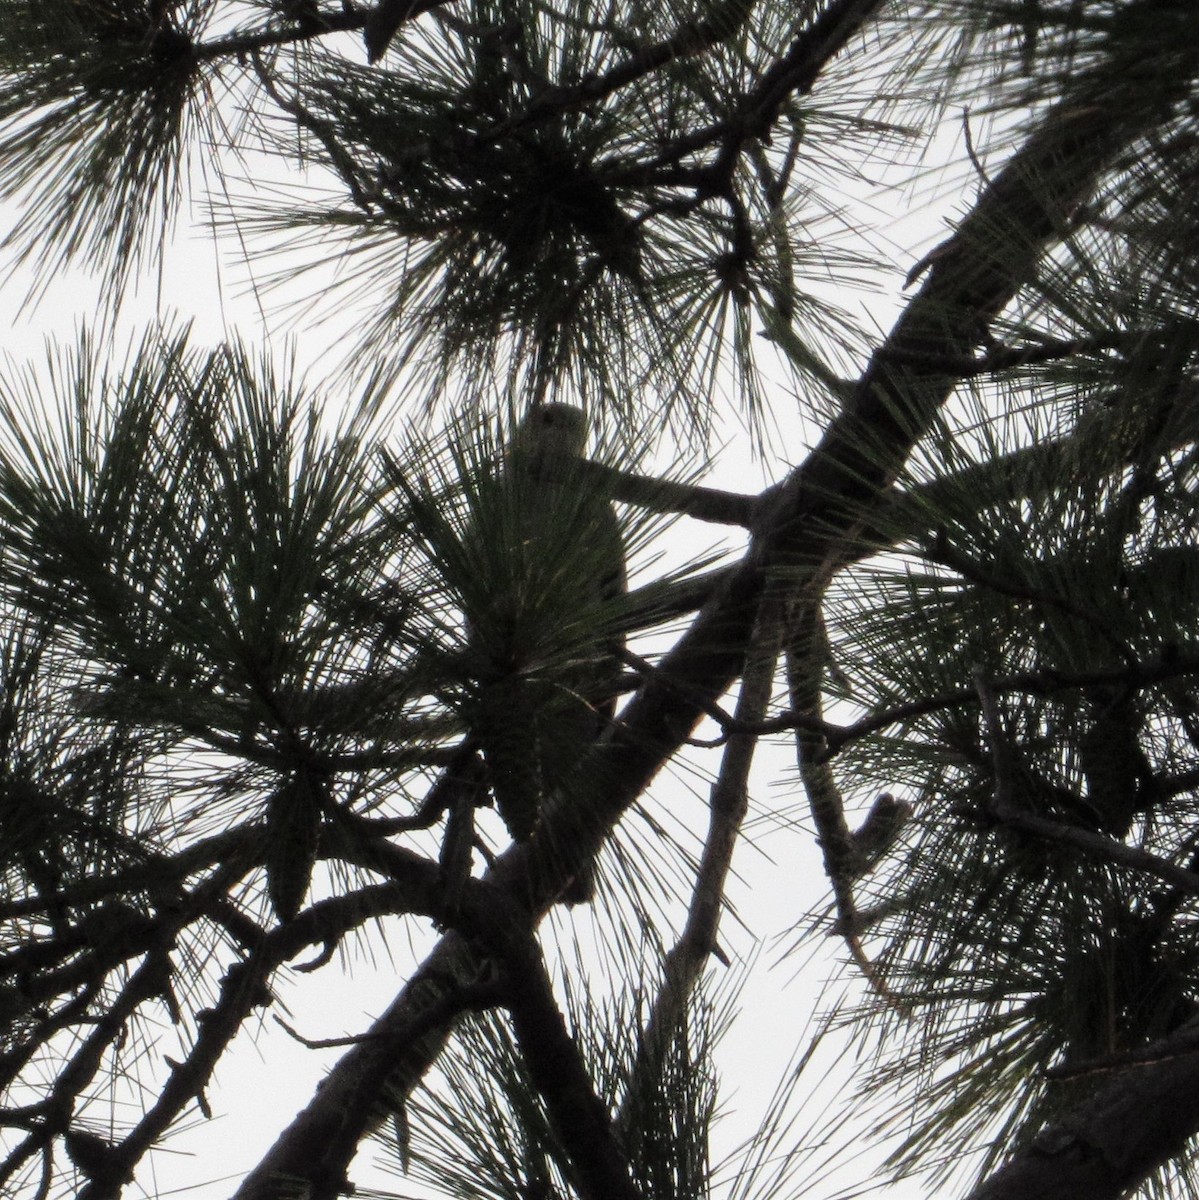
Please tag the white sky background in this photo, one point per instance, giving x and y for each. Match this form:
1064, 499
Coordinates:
268, 1077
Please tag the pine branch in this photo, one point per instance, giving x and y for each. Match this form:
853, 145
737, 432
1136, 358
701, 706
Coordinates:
247, 42
577, 1115
1030, 473
384, 21
1106, 1146
668, 495
794, 74
1007, 810
847, 857
1171, 665
729, 803
245, 987
690, 39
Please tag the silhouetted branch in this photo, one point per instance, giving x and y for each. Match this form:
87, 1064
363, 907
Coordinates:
1103, 1148
685, 961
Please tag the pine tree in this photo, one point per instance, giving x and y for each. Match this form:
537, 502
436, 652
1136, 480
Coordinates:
259, 700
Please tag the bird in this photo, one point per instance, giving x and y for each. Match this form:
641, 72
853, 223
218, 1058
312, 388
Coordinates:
540, 631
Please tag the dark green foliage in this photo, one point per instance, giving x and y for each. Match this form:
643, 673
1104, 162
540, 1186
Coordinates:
1027, 953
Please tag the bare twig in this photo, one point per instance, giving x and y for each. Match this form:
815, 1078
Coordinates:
729, 803
844, 861
343, 162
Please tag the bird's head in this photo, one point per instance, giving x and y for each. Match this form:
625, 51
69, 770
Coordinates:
551, 431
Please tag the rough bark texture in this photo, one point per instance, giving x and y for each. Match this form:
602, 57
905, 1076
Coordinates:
1108, 1146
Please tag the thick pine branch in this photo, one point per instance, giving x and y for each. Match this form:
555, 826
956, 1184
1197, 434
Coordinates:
1112, 1142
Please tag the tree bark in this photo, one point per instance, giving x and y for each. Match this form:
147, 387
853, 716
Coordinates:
1112, 1143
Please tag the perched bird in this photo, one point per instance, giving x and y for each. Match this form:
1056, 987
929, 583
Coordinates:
540, 628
